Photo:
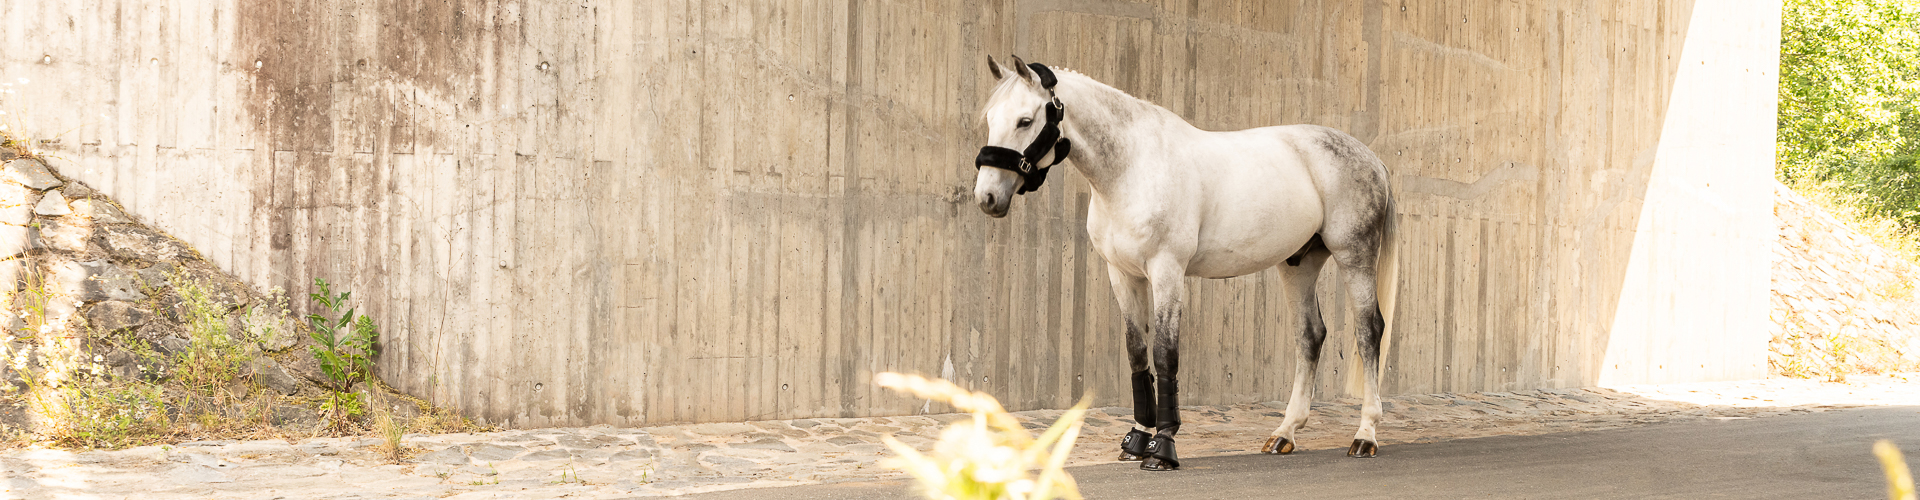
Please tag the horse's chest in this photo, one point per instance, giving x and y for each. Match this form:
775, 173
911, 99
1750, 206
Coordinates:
1127, 246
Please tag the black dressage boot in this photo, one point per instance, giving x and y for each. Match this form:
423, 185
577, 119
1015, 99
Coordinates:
1133, 447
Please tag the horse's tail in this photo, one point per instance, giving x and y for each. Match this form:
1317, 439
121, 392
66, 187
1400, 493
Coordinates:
1386, 275
1386, 270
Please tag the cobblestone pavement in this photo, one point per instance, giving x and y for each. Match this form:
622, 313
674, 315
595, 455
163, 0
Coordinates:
607, 462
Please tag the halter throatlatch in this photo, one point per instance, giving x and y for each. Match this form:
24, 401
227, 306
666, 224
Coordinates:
1027, 163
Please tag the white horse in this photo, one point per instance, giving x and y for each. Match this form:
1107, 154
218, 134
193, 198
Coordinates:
1172, 201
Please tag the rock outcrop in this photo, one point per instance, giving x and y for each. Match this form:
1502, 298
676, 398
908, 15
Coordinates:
97, 296
1841, 303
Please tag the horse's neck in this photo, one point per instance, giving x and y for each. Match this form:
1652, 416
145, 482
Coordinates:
1103, 123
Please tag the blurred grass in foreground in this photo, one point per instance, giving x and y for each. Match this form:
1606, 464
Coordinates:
1899, 478
988, 457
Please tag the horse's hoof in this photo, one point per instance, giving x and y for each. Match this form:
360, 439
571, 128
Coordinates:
1133, 446
1363, 448
1160, 455
1277, 445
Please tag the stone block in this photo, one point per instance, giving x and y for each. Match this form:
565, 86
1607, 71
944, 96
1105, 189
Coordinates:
268, 372
95, 281
77, 191
451, 455
16, 204
140, 243
496, 453
159, 275
117, 315
57, 235
294, 417
30, 173
54, 204
100, 211
219, 287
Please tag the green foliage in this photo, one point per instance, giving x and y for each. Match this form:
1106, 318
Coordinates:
1849, 77
212, 358
104, 415
1849, 118
345, 354
1887, 189
344, 346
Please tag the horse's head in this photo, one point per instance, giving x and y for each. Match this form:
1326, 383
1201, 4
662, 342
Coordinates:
1023, 135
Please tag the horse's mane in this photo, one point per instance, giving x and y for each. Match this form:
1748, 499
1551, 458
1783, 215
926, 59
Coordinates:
1007, 83
1063, 69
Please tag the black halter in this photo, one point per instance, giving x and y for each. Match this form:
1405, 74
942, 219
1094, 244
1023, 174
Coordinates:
1026, 163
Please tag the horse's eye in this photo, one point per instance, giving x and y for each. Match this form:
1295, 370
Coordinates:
1024, 122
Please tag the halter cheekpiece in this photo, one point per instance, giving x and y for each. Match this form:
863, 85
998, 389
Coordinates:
1026, 163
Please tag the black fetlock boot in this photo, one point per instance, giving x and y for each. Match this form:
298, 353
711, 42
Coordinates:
1133, 446
1160, 455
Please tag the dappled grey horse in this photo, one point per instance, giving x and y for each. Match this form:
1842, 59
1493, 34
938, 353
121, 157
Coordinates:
1172, 201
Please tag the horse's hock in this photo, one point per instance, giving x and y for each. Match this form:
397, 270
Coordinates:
698, 210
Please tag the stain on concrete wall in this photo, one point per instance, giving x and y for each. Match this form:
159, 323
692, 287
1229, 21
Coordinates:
688, 210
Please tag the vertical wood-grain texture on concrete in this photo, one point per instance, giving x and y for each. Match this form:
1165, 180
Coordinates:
695, 210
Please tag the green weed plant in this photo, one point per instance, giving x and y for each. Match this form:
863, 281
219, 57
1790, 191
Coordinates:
212, 358
344, 346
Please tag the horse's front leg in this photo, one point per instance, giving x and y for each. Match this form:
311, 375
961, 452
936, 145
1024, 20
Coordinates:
1132, 293
1169, 290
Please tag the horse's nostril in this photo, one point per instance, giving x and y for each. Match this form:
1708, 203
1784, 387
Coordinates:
989, 199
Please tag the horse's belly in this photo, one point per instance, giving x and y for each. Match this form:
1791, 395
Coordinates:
1254, 233
1230, 260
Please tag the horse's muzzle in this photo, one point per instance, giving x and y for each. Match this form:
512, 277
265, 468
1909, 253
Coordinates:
994, 205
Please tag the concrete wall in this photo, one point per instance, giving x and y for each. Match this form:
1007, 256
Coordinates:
685, 210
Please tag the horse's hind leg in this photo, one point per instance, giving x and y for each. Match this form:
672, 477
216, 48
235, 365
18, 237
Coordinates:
1132, 294
1368, 332
1299, 277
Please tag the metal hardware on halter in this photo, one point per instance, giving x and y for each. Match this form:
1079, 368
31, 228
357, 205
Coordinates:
1026, 163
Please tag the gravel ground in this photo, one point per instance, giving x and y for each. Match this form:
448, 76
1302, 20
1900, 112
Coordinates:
608, 462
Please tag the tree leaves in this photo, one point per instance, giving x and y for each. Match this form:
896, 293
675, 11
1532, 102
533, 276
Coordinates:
1849, 79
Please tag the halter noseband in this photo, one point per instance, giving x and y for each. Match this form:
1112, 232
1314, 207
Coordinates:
1026, 163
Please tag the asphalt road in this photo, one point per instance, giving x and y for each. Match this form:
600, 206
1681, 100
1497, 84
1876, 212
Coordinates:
1819, 455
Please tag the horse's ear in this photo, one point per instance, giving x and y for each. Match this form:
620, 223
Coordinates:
1020, 67
994, 67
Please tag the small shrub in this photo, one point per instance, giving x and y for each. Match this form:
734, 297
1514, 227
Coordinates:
98, 414
213, 358
344, 346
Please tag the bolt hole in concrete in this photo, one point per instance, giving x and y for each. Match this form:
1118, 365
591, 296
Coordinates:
539, 387
783, 387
